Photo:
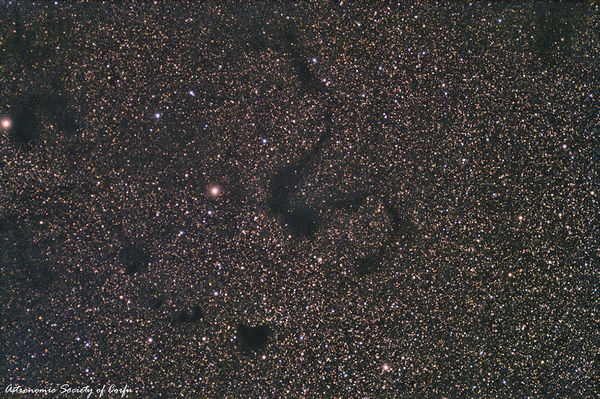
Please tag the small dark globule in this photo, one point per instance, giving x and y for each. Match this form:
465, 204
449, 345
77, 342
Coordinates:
156, 303
253, 337
185, 317
135, 259
302, 221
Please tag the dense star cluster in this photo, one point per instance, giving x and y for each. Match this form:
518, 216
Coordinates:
301, 200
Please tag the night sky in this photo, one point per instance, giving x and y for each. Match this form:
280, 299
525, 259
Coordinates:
278, 200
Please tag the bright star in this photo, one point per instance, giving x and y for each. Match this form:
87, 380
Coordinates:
6, 123
214, 191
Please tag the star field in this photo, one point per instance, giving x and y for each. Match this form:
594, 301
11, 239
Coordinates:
298, 200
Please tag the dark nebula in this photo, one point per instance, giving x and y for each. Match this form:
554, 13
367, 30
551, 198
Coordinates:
135, 258
38, 114
253, 337
185, 317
